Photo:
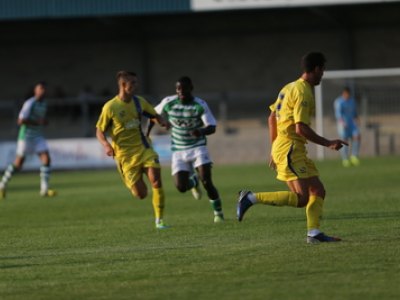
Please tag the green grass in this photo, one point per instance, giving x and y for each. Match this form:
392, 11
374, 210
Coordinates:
94, 241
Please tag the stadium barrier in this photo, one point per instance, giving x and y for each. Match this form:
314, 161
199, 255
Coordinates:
77, 153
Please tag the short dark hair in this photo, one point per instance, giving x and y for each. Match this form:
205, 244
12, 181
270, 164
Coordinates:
346, 89
312, 60
124, 75
185, 80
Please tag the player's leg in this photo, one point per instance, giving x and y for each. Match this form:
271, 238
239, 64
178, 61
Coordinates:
13, 167
132, 175
158, 197
139, 188
290, 162
355, 146
134, 180
184, 177
182, 181
40, 147
314, 211
344, 151
45, 171
152, 169
205, 175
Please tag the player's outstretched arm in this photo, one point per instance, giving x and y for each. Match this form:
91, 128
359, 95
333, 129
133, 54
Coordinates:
150, 126
161, 121
305, 131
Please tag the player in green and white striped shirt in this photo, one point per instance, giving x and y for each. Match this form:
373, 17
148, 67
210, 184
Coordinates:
191, 121
31, 119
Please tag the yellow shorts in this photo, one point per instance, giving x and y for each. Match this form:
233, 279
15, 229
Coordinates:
131, 166
291, 161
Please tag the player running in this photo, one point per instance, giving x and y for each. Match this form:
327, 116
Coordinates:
32, 119
347, 120
289, 130
133, 153
191, 121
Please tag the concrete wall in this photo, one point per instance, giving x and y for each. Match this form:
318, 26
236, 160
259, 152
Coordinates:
227, 51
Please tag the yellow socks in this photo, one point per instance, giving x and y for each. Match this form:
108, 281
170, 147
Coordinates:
158, 203
277, 198
314, 212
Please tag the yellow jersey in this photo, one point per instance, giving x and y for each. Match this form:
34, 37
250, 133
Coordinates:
122, 121
295, 104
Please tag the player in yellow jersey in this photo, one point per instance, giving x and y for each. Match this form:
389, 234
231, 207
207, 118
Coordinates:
289, 127
133, 153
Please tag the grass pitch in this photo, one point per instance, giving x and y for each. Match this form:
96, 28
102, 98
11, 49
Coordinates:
93, 241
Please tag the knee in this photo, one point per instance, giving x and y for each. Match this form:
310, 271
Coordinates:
302, 200
207, 183
156, 183
142, 194
181, 187
319, 191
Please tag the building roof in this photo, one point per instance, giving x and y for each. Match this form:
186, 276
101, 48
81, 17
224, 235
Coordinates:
45, 9
58, 9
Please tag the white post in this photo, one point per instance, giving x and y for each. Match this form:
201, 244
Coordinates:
319, 119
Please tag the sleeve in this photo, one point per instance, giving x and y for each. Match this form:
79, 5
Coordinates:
160, 107
301, 108
25, 110
278, 102
338, 110
207, 117
147, 109
105, 119
272, 107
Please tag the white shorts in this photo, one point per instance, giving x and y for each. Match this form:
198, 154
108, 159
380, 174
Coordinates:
31, 146
187, 160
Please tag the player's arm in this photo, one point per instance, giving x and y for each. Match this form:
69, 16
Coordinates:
210, 129
153, 115
305, 131
23, 116
208, 120
159, 120
150, 126
41, 121
338, 113
272, 127
104, 142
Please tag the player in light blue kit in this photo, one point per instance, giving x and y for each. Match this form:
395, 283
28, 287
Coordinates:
31, 119
347, 119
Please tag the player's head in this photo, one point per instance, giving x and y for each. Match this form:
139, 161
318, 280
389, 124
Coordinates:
39, 90
184, 88
127, 82
313, 66
346, 92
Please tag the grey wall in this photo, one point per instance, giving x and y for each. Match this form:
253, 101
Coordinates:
227, 51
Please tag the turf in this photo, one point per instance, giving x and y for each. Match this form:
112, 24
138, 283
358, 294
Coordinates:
93, 241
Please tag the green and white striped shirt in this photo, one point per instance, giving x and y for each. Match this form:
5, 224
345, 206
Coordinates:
184, 118
32, 110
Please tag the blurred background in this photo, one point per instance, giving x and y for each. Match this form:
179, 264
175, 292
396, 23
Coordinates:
239, 54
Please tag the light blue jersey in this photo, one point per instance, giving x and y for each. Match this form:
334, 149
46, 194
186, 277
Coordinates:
32, 110
346, 114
